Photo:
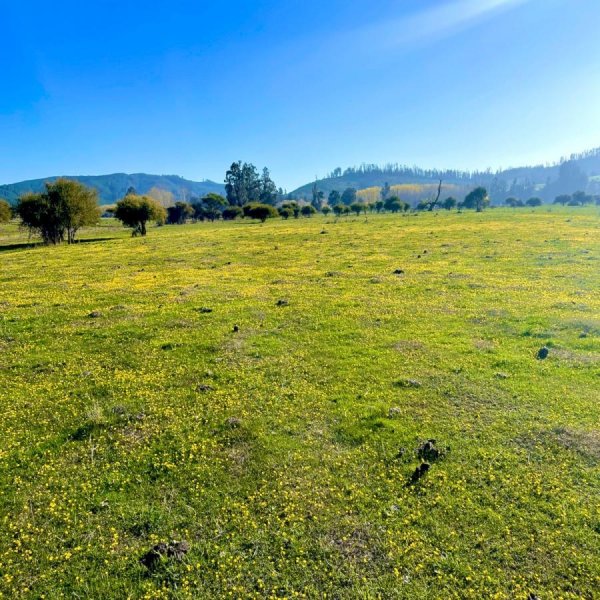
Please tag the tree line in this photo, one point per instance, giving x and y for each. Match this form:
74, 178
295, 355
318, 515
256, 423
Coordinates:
65, 206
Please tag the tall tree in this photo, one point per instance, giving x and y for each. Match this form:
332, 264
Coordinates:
386, 190
349, 196
268, 189
243, 184
317, 197
334, 198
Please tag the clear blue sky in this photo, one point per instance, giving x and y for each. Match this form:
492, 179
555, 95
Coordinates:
302, 86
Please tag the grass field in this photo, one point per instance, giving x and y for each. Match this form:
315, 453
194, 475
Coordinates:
282, 453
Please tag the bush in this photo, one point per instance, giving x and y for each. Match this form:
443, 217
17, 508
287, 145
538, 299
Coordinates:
534, 202
358, 207
308, 210
179, 213
326, 210
262, 212
136, 211
231, 213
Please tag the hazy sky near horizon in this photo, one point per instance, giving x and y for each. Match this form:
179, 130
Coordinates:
302, 86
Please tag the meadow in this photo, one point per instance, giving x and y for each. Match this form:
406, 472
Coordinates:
259, 392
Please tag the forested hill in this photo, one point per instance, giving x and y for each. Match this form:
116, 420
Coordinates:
577, 172
113, 187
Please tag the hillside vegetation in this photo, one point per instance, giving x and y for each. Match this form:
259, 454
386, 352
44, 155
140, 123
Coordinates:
258, 398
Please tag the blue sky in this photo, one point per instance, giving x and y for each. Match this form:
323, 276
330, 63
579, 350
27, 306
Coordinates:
301, 86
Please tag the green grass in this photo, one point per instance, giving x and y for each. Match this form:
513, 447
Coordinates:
282, 452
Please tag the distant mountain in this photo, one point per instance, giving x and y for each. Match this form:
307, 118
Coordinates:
113, 187
577, 172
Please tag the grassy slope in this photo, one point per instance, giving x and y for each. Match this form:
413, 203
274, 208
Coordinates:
108, 446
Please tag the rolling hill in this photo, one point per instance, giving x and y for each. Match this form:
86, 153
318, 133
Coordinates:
113, 187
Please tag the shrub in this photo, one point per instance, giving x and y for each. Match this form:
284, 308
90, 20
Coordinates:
136, 211
231, 213
534, 202
179, 213
308, 210
326, 209
262, 212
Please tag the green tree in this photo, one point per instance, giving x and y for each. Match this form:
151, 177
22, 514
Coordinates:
534, 202
317, 197
243, 185
231, 213
308, 210
268, 190
259, 211
179, 213
349, 196
293, 207
394, 204
285, 212
478, 199
5, 211
563, 199
136, 211
379, 205
213, 205
60, 211
334, 198
358, 207
326, 209
338, 209
449, 203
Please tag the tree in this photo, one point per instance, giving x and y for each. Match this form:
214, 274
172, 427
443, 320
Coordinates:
136, 211
179, 213
338, 209
349, 196
434, 203
308, 210
293, 207
386, 190
449, 203
582, 198
259, 211
163, 197
326, 209
358, 207
243, 184
5, 211
534, 202
379, 205
213, 205
268, 189
317, 197
285, 212
563, 199
63, 208
231, 213
334, 198
477, 199
394, 204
